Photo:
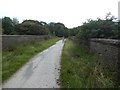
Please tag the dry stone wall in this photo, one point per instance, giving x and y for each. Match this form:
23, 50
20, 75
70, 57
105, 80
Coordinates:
12, 40
109, 52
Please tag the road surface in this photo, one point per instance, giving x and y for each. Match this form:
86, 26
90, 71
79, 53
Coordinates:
42, 71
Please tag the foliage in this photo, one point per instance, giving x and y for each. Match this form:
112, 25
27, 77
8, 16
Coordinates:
15, 21
7, 25
80, 69
58, 29
31, 22
99, 28
31, 27
73, 31
0, 26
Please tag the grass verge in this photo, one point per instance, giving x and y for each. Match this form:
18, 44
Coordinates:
16, 57
80, 69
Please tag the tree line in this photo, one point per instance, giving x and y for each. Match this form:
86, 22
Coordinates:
32, 27
99, 28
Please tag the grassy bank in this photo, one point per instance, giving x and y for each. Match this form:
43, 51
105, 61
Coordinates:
79, 69
16, 57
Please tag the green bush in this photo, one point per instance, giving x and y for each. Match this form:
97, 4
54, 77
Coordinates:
31, 29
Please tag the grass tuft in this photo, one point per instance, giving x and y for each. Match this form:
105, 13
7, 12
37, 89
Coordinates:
14, 58
80, 69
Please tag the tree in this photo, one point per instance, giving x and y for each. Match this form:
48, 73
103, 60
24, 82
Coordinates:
7, 25
43, 23
15, 21
109, 16
31, 27
58, 29
118, 32
99, 28
0, 26
31, 22
74, 31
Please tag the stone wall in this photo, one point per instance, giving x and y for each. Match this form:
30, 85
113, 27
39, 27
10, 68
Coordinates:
109, 52
12, 40
107, 49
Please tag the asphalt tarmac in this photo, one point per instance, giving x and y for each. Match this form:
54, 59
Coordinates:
42, 71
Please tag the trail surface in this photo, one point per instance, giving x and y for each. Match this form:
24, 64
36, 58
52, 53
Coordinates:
42, 71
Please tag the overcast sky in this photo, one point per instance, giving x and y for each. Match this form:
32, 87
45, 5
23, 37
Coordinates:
70, 12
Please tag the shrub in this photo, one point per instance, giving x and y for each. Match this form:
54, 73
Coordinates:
31, 29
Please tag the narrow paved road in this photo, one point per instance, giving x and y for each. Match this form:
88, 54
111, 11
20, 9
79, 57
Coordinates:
42, 71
